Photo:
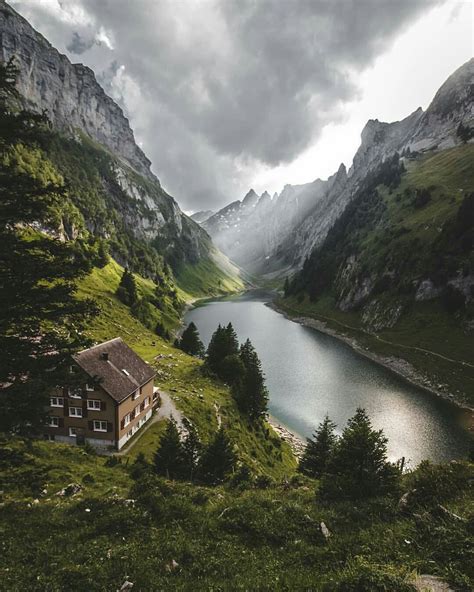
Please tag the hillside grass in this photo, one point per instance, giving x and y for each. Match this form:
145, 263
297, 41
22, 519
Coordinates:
405, 231
223, 538
195, 394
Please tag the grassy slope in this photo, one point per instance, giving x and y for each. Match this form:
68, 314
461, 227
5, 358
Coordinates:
424, 324
181, 376
221, 538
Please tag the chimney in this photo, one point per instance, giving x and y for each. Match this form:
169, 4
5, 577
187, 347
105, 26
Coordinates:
104, 356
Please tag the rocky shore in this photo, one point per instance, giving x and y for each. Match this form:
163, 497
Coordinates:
296, 443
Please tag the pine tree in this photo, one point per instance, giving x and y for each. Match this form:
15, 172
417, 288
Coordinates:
192, 450
319, 450
218, 459
286, 286
251, 393
359, 467
168, 458
127, 289
223, 343
40, 320
190, 341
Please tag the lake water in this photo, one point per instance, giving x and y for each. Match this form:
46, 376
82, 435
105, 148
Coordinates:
310, 374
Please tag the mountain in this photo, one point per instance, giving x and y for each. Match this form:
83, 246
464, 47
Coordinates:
114, 193
201, 216
276, 239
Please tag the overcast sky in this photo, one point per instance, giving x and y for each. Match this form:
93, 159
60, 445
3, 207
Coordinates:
224, 95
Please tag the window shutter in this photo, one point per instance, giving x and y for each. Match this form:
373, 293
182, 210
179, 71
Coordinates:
91, 425
122, 424
110, 427
61, 422
84, 409
103, 405
142, 406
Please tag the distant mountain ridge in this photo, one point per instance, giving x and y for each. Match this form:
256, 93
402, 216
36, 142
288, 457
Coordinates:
274, 237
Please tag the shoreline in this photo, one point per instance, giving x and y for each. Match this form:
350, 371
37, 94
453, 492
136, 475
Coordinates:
296, 442
398, 366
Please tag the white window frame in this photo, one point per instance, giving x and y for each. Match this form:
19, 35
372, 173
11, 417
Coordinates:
135, 395
73, 432
73, 412
99, 422
129, 433
146, 402
59, 402
137, 410
91, 405
90, 387
53, 421
126, 420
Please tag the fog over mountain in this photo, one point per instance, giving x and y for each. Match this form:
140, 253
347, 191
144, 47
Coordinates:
222, 89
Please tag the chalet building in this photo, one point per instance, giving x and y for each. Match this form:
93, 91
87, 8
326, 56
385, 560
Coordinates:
110, 397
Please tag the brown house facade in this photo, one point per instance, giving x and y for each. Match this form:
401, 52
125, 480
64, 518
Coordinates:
109, 399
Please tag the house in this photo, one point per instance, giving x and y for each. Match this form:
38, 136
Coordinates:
109, 397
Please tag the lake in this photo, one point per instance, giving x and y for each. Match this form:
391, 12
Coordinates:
310, 374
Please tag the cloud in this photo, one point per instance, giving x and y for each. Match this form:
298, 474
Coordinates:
218, 88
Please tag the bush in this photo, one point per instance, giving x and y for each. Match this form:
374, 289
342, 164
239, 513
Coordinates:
88, 479
432, 484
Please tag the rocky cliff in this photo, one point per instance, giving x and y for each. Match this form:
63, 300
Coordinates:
124, 196
298, 220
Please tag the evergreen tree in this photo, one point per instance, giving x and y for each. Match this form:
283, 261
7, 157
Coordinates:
192, 450
359, 467
139, 467
168, 459
40, 320
319, 450
232, 370
286, 286
127, 290
223, 343
190, 341
218, 459
251, 393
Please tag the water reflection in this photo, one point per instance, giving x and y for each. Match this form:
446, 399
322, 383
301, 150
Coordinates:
310, 374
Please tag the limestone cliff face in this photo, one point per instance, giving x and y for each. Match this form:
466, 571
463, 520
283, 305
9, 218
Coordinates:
68, 92
299, 219
75, 102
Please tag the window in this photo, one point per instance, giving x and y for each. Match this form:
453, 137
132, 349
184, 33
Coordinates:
146, 402
75, 411
74, 393
56, 402
53, 422
73, 432
100, 426
90, 386
93, 405
129, 434
137, 410
135, 395
126, 419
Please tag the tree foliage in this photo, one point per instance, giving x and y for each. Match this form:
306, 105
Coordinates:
319, 449
359, 467
250, 391
190, 341
127, 289
218, 459
169, 457
40, 319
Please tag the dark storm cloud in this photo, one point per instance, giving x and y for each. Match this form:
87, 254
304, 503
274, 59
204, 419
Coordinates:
79, 45
214, 87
